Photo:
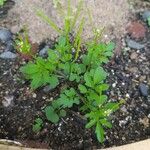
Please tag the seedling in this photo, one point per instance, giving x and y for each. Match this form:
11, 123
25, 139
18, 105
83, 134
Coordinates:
37, 125
22, 43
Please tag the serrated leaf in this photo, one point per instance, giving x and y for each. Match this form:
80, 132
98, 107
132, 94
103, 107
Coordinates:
52, 55
51, 115
76, 101
102, 99
99, 132
109, 54
99, 75
73, 77
104, 59
104, 122
82, 88
37, 125
36, 81
111, 107
62, 113
88, 80
103, 87
91, 123
53, 80
110, 46
29, 68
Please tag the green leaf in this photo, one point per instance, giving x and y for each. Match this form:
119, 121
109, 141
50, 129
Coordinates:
29, 68
37, 125
104, 122
99, 132
36, 81
62, 113
102, 87
110, 46
52, 55
112, 106
99, 75
101, 100
51, 115
82, 88
53, 80
88, 80
91, 123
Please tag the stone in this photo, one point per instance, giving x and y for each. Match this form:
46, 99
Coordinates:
136, 30
143, 89
8, 55
44, 52
34, 95
134, 56
134, 45
9, 46
146, 15
5, 35
145, 122
8, 100
47, 89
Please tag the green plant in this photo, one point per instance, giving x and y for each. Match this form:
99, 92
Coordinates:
83, 73
37, 125
41, 72
22, 43
57, 109
70, 21
2, 2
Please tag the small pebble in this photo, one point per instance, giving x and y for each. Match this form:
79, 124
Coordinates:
44, 52
8, 55
127, 95
143, 89
8, 100
34, 95
135, 45
5, 35
146, 15
114, 85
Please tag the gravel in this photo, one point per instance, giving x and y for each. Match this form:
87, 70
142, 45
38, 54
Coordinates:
44, 52
5, 35
8, 55
134, 45
143, 89
146, 15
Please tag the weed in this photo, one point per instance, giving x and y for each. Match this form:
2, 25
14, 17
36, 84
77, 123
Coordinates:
37, 125
84, 71
22, 43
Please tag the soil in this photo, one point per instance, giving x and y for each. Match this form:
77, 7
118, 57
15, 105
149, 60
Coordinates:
128, 69
109, 14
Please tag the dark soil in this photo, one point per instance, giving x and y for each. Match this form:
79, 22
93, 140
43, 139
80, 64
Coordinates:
131, 123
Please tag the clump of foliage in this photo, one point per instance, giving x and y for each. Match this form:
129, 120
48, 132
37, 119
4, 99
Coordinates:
2, 2
22, 43
85, 71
